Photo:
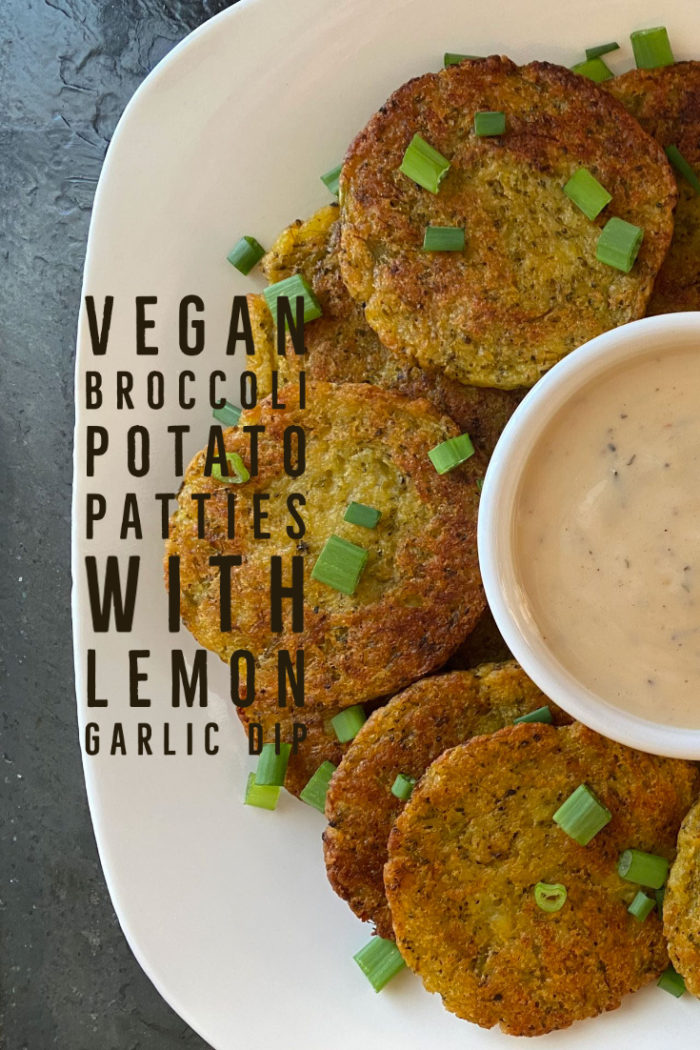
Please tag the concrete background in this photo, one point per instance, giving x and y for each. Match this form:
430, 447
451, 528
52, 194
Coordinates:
67, 69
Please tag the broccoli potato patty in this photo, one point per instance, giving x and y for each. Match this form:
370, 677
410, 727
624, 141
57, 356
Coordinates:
420, 592
666, 102
476, 837
342, 348
681, 905
405, 736
527, 288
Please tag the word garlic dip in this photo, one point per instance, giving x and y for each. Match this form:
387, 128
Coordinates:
607, 536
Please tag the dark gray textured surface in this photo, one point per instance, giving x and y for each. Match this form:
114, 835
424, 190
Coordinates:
67, 69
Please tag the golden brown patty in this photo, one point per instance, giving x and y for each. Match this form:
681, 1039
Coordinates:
682, 903
666, 102
527, 288
342, 348
420, 592
475, 838
405, 737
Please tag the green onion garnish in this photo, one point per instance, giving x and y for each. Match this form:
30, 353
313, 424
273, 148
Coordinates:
453, 59
601, 49
449, 454
619, 244
682, 166
403, 786
443, 239
582, 816
314, 794
652, 48
347, 723
238, 472
291, 287
587, 193
424, 165
593, 68
360, 514
340, 564
479, 484
550, 896
246, 254
331, 179
489, 123
660, 894
379, 960
646, 869
272, 766
541, 714
228, 414
641, 906
671, 982
262, 797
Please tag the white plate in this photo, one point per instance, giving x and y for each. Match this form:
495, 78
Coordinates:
227, 908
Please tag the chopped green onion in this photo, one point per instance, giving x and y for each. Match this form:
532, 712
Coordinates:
671, 982
228, 414
449, 454
646, 869
314, 794
652, 48
331, 178
347, 723
582, 816
246, 254
601, 49
550, 896
453, 59
262, 797
593, 68
379, 960
340, 564
479, 484
641, 906
443, 239
271, 765
541, 714
587, 193
424, 165
660, 895
360, 514
291, 288
619, 244
683, 167
489, 123
403, 786
238, 473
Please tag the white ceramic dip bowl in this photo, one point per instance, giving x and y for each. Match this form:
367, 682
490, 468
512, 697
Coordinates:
500, 535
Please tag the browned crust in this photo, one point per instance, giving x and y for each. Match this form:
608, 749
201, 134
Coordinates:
484, 644
320, 745
405, 736
411, 609
477, 835
528, 287
682, 903
666, 102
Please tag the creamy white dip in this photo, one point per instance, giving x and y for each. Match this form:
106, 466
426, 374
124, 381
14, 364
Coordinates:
607, 537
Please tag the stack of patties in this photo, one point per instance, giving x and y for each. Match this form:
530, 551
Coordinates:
415, 345
499, 878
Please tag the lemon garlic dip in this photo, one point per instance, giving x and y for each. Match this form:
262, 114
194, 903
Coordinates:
607, 536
